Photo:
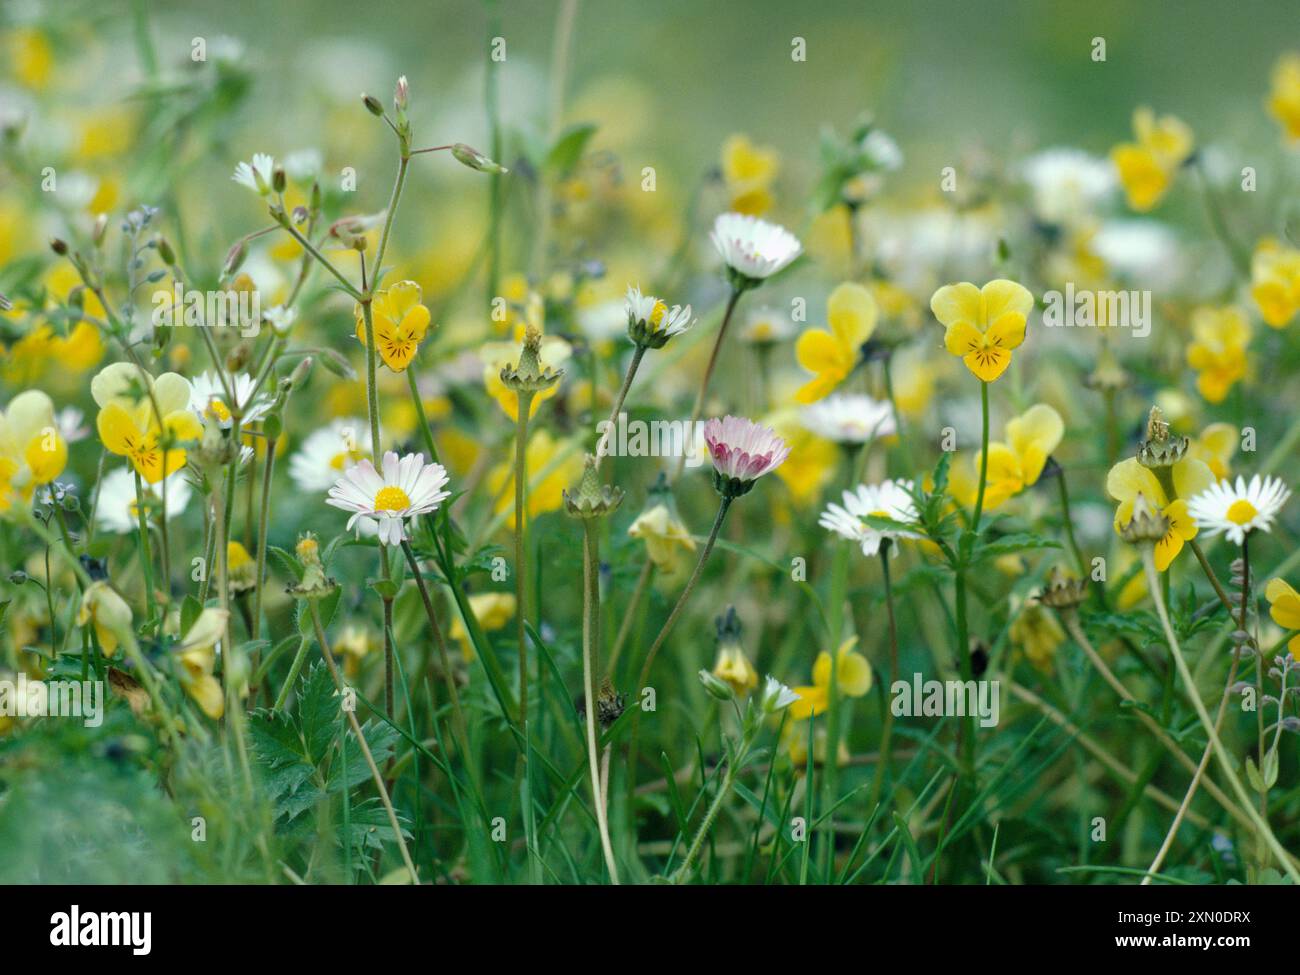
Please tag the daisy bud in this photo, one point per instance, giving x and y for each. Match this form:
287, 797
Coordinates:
1146, 524
373, 105
1159, 449
529, 375
471, 157
300, 373
776, 697
401, 94
18, 577
591, 499
315, 584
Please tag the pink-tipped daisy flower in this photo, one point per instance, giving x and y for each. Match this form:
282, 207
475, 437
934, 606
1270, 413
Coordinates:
742, 451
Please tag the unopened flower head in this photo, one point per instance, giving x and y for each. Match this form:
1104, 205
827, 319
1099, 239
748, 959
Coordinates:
1063, 591
1237, 508
591, 499
406, 487
650, 322
315, 584
742, 451
752, 249
1160, 449
530, 374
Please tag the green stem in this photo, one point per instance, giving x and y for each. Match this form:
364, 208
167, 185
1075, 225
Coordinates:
590, 651
886, 734
732, 300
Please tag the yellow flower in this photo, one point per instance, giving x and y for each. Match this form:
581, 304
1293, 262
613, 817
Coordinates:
108, 612
664, 535
1275, 281
1284, 607
399, 321
1284, 102
832, 354
197, 653
748, 171
1218, 351
984, 324
1215, 447
493, 610
128, 422
1147, 167
734, 667
1128, 478
1038, 633
552, 465
852, 679
32, 452
31, 56
812, 462
241, 570
1015, 464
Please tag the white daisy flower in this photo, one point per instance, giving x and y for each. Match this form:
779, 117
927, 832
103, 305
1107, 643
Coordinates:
1067, 184
889, 499
118, 510
406, 488
256, 175
849, 418
752, 249
208, 399
742, 450
1237, 508
328, 452
776, 696
650, 321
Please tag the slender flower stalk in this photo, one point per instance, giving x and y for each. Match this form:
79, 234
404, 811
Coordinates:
886, 734
1264, 832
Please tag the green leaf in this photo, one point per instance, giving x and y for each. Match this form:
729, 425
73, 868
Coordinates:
568, 148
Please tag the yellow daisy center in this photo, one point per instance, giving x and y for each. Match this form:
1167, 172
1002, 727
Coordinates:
218, 409
1241, 512
344, 458
657, 313
391, 499
878, 513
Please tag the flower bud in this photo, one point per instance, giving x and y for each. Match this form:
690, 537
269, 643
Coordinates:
716, 687
373, 105
471, 157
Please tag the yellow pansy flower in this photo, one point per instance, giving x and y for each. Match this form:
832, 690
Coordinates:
1284, 101
555, 462
852, 679
399, 321
831, 354
492, 610
197, 653
108, 612
812, 462
1275, 281
748, 170
664, 535
733, 666
1215, 447
128, 421
1128, 479
32, 451
1218, 350
983, 324
1015, 464
1284, 607
552, 355
1147, 167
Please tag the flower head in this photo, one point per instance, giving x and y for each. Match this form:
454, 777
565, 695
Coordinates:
197, 653
257, 175
748, 171
1284, 101
1218, 351
208, 399
742, 451
733, 666
1284, 607
328, 452
831, 354
1235, 508
108, 612
399, 321
650, 322
849, 418
983, 325
1128, 480
131, 404
118, 510
32, 448
1016, 462
1275, 282
406, 488
1147, 166
889, 499
852, 679
776, 696
752, 249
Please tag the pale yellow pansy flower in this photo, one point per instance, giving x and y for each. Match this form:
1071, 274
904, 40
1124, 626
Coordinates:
1018, 462
1147, 166
492, 610
128, 418
1284, 99
1284, 607
552, 465
832, 353
1275, 282
1215, 447
852, 679
108, 613
197, 654
400, 323
733, 666
1128, 479
1218, 350
748, 171
983, 325
32, 451
665, 537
